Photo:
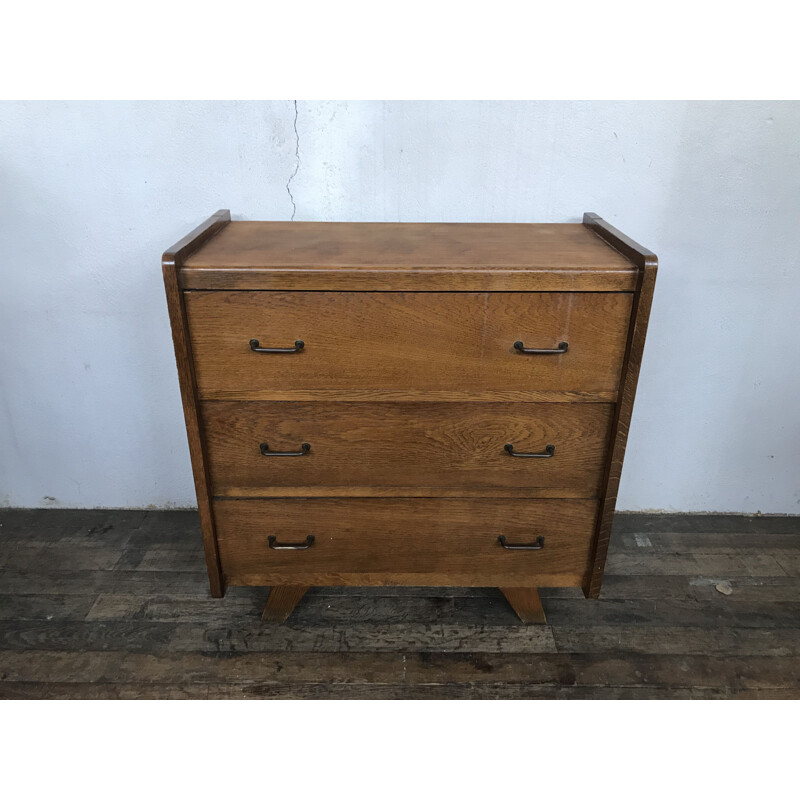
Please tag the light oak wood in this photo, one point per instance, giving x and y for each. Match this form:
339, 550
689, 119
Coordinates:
171, 262
408, 256
405, 341
412, 448
281, 603
527, 604
426, 540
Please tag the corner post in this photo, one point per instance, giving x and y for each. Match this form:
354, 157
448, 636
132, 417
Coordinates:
171, 262
647, 263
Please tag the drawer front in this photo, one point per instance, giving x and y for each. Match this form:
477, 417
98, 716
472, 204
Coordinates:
407, 343
431, 541
458, 447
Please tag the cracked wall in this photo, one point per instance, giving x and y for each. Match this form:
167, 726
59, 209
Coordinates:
296, 164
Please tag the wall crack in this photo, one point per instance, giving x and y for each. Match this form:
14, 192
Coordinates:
296, 163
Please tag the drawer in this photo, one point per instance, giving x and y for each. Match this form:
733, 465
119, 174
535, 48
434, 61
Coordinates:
405, 448
424, 542
397, 345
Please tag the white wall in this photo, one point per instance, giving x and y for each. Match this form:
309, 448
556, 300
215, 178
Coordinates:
92, 193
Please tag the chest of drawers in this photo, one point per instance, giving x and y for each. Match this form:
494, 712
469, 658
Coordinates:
407, 404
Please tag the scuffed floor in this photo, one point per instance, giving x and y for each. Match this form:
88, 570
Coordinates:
115, 604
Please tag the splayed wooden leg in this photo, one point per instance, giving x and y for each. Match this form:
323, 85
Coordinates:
281, 602
526, 603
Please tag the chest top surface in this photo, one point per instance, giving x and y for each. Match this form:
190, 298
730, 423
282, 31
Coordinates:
386, 256
337, 245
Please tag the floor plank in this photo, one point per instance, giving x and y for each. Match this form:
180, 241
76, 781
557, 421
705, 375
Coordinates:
45, 607
677, 640
717, 612
751, 563
638, 522
93, 582
715, 543
552, 669
316, 609
338, 691
251, 636
691, 588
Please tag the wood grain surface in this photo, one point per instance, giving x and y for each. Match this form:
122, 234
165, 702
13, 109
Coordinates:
408, 256
402, 279
527, 604
412, 448
647, 264
171, 263
281, 602
405, 342
427, 541
336, 245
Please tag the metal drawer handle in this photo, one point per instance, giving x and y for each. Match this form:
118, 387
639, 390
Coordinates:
548, 452
265, 451
273, 544
538, 351
256, 348
537, 545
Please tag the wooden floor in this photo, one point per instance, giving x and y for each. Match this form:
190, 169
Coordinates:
115, 604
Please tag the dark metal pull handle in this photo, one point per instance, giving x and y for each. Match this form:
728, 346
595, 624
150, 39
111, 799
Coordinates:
273, 544
537, 545
265, 451
256, 348
548, 452
538, 351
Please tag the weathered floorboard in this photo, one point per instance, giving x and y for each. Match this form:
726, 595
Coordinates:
250, 636
556, 669
678, 640
315, 609
340, 691
628, 521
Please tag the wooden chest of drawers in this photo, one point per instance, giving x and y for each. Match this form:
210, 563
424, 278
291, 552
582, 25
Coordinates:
407, 404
